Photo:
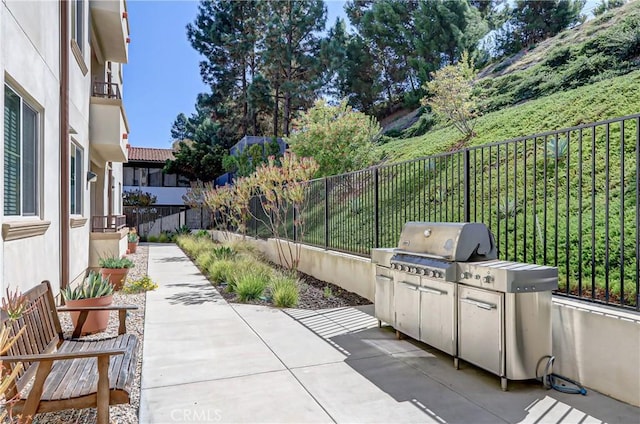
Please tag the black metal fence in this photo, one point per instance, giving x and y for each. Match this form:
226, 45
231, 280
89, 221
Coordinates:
153, 220
567, 198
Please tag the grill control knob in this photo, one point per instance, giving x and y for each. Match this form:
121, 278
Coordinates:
422, 271
488, 279
466, 275
394, 266
432, 273
404, 268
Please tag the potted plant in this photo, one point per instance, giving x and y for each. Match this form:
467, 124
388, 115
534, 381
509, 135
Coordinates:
115, 269
133, 240
95, 290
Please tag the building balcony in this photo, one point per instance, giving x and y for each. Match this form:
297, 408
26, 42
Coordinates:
111, 27
108, 223
108, 124
108, 238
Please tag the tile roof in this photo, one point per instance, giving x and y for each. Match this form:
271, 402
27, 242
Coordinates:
146, 154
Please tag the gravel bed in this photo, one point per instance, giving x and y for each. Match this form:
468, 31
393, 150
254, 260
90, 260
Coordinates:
120, 414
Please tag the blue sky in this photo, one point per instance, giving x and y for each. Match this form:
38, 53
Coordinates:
162, 77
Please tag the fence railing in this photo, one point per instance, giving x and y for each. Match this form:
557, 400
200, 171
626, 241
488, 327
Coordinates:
566, 198
157, 219
107, 223
108, 90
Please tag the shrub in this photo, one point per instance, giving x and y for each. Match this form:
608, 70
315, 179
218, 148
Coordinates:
202, 233
339, 138
223, 252
251, 285
204, 259
182, 230
285, 291
221, 271
138, 286
194, 246
243, 247
164, 238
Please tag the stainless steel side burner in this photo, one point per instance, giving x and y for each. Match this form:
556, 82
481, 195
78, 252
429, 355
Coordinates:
443, 285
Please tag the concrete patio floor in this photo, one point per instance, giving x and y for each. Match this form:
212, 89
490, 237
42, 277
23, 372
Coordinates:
205, 360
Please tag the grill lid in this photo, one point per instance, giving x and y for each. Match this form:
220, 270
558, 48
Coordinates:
451, 241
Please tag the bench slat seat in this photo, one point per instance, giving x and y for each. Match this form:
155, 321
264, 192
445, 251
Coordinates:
76, 378
75, 373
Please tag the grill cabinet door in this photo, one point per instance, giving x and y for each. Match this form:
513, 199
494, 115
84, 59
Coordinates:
480, 334
384, 296
437, 314
407, 304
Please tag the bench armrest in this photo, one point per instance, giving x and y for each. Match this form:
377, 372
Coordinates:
97, 308
62, 355
84, 312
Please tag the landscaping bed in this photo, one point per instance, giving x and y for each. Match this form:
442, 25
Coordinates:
242, 275
126, 413
314, 294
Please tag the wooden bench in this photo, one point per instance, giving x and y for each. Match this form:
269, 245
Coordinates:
69, 373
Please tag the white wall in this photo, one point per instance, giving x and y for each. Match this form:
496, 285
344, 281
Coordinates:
79, 94
596, 345
30, 59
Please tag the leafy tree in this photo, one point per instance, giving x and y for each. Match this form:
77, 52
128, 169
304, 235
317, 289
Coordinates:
197, 161
451, 95
246, 162
290, 50
533, 21
337, 137
606, 5
410, 39
283, 188
138, 198
350, 68
225, 32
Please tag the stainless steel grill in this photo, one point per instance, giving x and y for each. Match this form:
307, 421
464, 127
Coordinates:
444, 286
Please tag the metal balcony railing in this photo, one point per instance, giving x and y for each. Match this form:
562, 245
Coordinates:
108, 223
108, 90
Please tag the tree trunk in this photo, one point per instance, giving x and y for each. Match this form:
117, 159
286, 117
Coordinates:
275, 111
245, 99
288, 72
254, 112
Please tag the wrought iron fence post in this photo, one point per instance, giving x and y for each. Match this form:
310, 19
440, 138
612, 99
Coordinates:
466, 186
326, 213
376, 216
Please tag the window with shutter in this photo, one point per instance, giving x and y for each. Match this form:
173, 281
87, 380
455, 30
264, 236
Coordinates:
21, 146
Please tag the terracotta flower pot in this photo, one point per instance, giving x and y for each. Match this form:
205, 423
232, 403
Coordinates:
132, 247
97, 321
116, 276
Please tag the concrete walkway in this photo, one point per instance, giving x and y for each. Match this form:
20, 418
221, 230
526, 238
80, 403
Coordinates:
207, 361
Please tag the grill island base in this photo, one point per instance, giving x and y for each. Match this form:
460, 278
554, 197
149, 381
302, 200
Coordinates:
443, 286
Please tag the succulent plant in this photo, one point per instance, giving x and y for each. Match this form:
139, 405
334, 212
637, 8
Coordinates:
116, 263
95, 285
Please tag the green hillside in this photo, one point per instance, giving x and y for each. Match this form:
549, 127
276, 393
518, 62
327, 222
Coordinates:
612, 98
544, 207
